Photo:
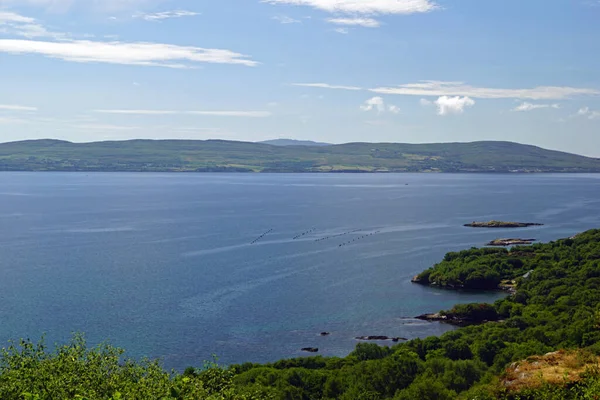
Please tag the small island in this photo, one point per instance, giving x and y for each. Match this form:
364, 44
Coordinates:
510, 242
501, 224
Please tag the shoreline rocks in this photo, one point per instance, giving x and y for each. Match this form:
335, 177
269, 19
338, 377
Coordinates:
432, 317
380, 338
501, 224
510, 242
310, 349
437, 317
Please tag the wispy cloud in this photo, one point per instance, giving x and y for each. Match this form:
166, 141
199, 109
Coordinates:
364, 7
246, 114
343, 31
365, 22
327, 86
140, 53
284, 19
450, 105
586, 112
98, 5
159, 16
19, 25
63, 46
13, 107
525, 106
441, 88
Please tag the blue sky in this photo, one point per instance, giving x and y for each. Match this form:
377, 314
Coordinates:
328, 70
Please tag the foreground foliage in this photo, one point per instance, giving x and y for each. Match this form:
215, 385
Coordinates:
29, 371
557, 306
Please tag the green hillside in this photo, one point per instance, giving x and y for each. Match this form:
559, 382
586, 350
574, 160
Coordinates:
218, 156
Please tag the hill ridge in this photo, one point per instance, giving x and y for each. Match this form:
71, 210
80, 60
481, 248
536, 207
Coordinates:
216, 155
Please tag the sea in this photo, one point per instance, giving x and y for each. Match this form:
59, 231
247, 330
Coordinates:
189, 268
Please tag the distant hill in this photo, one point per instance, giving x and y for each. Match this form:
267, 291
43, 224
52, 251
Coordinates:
292, 142
228, 156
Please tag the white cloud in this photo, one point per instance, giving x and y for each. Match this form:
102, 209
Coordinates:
425, 102
140, 53
525, 106
326, 86
453, 105
153, 17
394, 109
374, 103
365, 22
283, 19
6, 17
13, 107
583, 111
364, 7
439, 88
248, 114
100, 5
378, 104
586, 112
343, 31
19, 25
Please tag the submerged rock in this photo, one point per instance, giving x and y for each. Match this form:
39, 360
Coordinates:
310, 349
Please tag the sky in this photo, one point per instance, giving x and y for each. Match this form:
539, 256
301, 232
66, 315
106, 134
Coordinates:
408, 71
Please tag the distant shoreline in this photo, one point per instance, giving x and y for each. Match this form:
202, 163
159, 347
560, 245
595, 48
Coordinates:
230, 156
310, 172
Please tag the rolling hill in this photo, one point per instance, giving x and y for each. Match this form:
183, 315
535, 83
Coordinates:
228, 156
293, 142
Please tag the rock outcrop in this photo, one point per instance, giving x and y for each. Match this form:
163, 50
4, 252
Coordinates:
501, 224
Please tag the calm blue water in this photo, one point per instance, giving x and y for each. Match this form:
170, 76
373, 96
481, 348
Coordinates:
162, 265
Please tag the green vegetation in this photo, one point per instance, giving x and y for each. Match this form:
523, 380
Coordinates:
29, 371
557, 306
227, 156
482, 268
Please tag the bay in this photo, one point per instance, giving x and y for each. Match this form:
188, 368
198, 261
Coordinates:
249, 267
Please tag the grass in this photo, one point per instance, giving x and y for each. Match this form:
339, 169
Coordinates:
560, 368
